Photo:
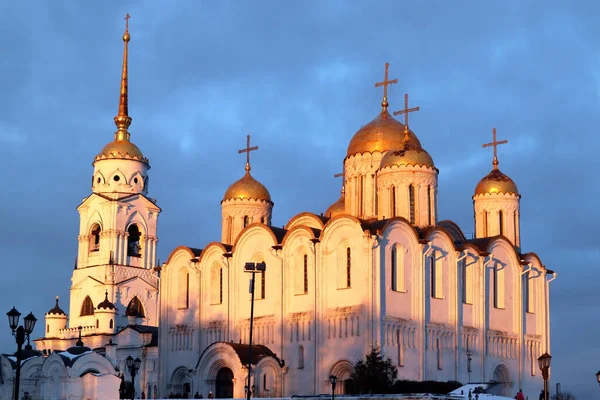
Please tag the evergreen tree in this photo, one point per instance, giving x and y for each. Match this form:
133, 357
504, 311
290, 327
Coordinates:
373, 374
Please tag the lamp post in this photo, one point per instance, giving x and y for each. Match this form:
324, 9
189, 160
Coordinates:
20, 333
252, 268
333, 381
469, 359
133, 366
544, 364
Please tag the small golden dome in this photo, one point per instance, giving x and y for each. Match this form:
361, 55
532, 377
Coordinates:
382, 134
121, 149
247, 188
337, 208
496, 182
408, 154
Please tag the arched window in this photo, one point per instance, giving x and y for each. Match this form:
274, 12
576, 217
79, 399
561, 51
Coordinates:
498, 287
263, 285
529, 292
95, 238
184, 288
397, 268
348, 267
305, 270
467, 282
246, 221
87, 308
501, 222
485, 223
110, 325
133, 241
411, 202
393, 201
216, 283
436, 277
48, 328
300, 357
97, 324
135, 308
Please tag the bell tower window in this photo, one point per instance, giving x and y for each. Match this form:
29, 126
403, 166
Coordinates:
95, 238
87, 308
133, 241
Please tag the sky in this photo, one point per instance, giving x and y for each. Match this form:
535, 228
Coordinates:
299, 77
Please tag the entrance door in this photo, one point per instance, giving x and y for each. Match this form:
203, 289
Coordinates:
224, 384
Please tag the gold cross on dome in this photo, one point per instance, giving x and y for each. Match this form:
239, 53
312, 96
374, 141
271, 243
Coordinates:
406, 111
247, 150
127, 22
495, 143
385, 84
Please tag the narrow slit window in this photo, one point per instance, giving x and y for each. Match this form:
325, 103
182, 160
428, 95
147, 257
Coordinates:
305, 270
429, 205
348, 267
393, 201
393, 268
501, 222
411, 202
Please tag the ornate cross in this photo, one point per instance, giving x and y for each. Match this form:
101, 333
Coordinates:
247, 150
495, 143
385, 84
127, 22
406, 111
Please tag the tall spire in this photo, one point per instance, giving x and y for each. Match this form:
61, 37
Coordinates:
495, 143
123, 120
385, 83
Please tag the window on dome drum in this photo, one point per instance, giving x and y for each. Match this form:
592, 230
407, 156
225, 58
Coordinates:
485, 223
500, 222
97, 324
87, 308
135, 308
110, 325
184, 289
246, 221
48, 328
393, 201
348, 267
305, 270
429, 205
95, 238
133, 241
360, 195
411, 202
116, 178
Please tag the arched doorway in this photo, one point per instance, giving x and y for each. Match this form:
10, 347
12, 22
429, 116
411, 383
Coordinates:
503, 381
224, 384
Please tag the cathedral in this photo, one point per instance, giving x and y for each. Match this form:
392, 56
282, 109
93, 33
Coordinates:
376, 268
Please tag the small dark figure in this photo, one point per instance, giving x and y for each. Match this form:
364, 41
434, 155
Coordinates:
26, 396
210, 395
520, 395
197, 395
542, 395
143, 395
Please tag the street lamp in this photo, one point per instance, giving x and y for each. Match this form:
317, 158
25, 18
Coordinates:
598, 377
333, 381
252, 268
20, 333
133, 366
469, 358
544, 364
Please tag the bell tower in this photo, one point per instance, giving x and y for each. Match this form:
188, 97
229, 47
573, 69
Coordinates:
118, 230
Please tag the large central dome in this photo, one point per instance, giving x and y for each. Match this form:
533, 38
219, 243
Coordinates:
382, 134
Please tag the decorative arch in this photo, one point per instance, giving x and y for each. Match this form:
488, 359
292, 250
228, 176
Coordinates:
343, 370
94, 235
87, 307
118, 177
181, 381
99, 179
134, 237
216, 283
267, 382
140, 180
503, 379
247, 232
308, 219
92, 361
135, 308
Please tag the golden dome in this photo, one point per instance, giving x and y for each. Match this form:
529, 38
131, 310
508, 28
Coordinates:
408, 154
382, 134
247, 188
496, 182
121, 149
337, 208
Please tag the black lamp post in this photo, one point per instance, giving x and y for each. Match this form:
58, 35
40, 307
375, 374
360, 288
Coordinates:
598, 377
20, 333
252, 268
333, 381
544, 364
133, 366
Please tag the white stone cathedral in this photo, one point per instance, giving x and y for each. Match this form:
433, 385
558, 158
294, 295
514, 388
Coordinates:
377, 268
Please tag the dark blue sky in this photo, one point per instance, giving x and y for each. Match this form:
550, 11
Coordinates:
299, 77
